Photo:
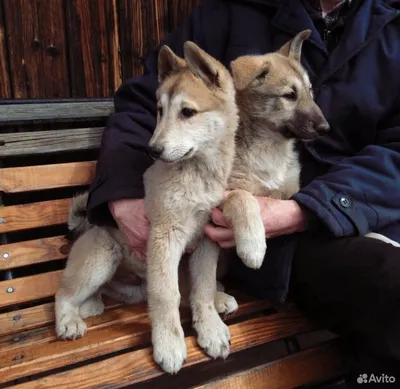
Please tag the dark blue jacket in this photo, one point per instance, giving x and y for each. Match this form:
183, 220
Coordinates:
351, 177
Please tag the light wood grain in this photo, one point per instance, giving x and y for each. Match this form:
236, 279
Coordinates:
34, 317
34, 215
33, 251
45, 142
29, 288
35, 178
311, 366
138, 366
116, 329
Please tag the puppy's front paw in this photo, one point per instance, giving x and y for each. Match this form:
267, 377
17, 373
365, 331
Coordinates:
225, 304
213, 335
169, 348
71, 327
251, 250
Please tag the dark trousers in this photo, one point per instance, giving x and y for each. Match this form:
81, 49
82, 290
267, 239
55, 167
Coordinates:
351, 286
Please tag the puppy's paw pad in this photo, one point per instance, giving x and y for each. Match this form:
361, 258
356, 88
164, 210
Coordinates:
71, 328
225, 304
213, 336
169, 350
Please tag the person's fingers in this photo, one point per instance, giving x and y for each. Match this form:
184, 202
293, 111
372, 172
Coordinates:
218, 218
227, 244
218, 234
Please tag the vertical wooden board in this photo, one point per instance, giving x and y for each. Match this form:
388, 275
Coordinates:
143, 25
92, 30
37, 48
180, 10
5, 88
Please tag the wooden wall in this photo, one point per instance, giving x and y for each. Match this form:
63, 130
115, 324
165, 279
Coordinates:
79, 48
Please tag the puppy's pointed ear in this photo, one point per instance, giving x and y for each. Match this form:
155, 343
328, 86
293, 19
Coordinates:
203, 65
168, 63
247, 69
292, 48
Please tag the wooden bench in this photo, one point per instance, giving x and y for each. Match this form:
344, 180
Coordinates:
47, 152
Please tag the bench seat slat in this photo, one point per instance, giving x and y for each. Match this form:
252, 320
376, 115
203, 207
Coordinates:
138, 366
116, 329
34, 317
36, 178
34, 215
45, 142
289, 372
33, 251
29, 288
41, 112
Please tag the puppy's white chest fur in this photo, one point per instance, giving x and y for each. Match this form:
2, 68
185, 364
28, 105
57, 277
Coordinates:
266, 168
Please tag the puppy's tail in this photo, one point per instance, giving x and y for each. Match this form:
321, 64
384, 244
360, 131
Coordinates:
78, 223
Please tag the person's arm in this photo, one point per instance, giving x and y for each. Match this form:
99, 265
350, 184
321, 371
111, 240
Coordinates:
123, 159
358, 195
361, 193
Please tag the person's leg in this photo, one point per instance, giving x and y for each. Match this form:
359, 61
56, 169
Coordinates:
351, 286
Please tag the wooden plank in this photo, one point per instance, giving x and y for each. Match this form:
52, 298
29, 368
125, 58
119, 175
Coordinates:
36, 41
93, 40
143, 25
63, 111
310, 366
33, 251
29, 288
138, 366
34, 178
180, 9
117, 329
38, 316
49, 142
34, 215
5, 86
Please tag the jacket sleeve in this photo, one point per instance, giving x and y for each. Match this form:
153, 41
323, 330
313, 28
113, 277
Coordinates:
361, 193
122, 159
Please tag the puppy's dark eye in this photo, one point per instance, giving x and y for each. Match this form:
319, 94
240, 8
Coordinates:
291, 95
188, 113
160, 111
262, 75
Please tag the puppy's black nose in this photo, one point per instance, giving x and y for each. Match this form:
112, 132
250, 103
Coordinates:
155, 152
323, 128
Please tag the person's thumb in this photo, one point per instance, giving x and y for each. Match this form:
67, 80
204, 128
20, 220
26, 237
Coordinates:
218, 218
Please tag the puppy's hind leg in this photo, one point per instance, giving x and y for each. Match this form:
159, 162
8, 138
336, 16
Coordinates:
165, 248
213, 334
242, 211
92, 262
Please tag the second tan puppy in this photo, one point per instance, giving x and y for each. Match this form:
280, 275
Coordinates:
276, 108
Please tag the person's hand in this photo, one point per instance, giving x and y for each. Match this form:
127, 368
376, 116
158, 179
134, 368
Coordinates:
280, 217
130, 217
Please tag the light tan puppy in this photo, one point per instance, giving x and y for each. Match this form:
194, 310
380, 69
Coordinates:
194, 146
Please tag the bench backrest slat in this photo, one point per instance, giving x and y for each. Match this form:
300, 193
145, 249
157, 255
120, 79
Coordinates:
61, 111
30, 252
45, 142
34, 215
34, 178
29, 288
